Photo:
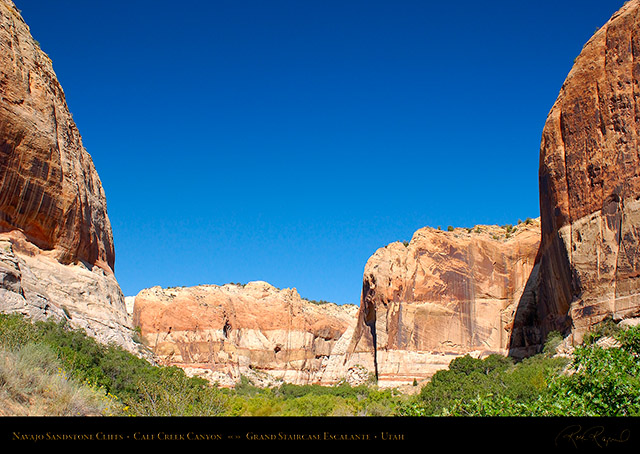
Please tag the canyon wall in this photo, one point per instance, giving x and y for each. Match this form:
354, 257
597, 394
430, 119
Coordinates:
56, 245
589, 262
477, 291
442, 295
255, 330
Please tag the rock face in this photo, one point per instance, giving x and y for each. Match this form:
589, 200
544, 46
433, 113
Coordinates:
589, 262
57, 253
224, 332
42, 288
443, 295
49, 188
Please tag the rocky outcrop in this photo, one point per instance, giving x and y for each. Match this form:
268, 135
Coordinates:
56, 244
42, 288
49, 188
442, 295
589, 262
269, 335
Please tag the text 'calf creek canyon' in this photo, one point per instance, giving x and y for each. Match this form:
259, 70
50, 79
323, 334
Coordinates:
444, 294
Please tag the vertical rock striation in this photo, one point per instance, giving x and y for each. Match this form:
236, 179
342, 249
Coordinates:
589, 261
56, 245
49, 188
255, 330
443, 295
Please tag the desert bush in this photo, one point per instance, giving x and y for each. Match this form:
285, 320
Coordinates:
481, 386
173, 393
33, 377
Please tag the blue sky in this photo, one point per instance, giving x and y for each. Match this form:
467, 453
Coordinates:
286, 141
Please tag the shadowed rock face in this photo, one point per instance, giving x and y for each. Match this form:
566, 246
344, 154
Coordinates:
224, 332
49, 188
443, 295
589, 262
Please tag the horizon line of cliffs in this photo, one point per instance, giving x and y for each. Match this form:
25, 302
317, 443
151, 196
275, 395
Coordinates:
424, 303
476, 291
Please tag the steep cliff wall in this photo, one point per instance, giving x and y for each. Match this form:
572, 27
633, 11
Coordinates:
589, 262
49, 188
442, 295
57, 253
224, 332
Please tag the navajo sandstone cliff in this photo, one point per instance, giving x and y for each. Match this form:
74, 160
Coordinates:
589, 260
56, 246
443, 295
255, 330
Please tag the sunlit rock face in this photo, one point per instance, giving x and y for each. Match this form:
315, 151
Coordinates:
49, 187
589, 264
269, 335
442, 295
57, 254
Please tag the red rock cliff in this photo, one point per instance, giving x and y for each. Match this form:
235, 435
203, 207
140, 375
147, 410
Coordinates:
589, 262
224, 332
49, 187
443, 295
56, 245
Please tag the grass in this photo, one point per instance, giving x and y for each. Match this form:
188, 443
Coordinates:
33, 382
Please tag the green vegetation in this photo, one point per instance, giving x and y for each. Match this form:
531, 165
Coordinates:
319, 302
115, 382
597, 381
32, 382
47, 368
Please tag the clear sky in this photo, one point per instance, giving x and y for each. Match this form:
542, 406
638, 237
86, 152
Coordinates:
287, 140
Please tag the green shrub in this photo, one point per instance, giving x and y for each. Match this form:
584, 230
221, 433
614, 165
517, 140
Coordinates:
470, 382
552, 342
606, 328
34, 381
16, 331
603, 382
172, 393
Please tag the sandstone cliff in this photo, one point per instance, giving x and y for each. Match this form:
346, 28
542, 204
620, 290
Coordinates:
269, 335
442, 295
589, 262
49, 188
57, 252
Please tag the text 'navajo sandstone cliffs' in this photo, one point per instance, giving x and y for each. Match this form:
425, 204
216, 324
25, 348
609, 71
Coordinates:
56, 245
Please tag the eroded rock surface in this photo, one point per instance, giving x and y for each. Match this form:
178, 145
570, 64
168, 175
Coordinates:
56, 245
42, 288
269, 335
589, 264
49, 187
442, 295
